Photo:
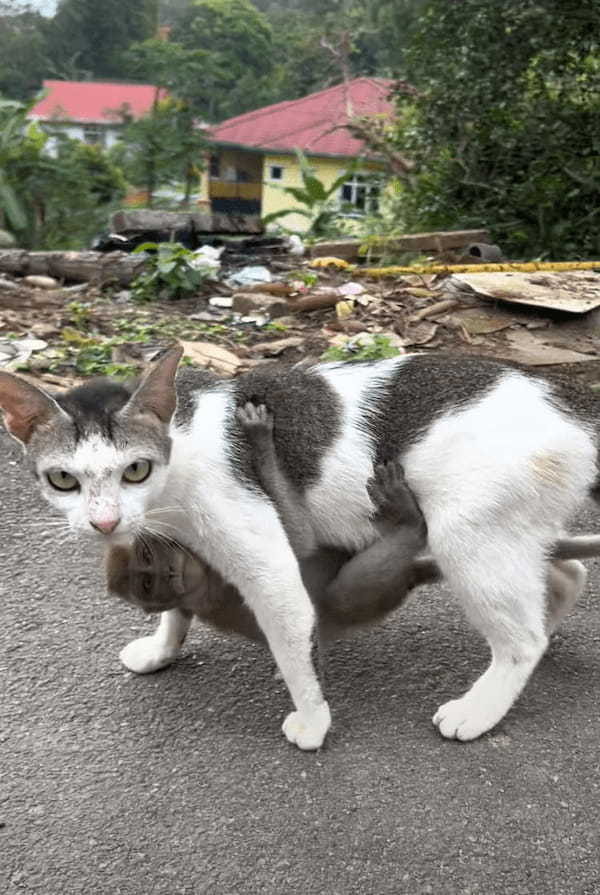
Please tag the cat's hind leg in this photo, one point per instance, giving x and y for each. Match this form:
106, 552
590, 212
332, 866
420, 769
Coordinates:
502, 587
147, 654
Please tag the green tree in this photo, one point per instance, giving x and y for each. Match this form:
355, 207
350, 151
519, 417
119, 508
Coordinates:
178, 71
237, 44
506, 128
51, 201
94, 35
161, 147
23, 51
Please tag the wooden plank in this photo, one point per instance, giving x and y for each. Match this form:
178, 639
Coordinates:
439, 241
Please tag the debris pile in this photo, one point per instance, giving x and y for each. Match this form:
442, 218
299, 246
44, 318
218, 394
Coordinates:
261, 302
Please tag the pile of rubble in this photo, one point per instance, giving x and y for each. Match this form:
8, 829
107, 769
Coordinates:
284, 305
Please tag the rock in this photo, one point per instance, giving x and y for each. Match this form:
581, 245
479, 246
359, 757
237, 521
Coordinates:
248, 302
274, 349
44, 330
41, 282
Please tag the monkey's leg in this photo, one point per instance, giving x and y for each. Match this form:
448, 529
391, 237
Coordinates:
257, 423
377, 580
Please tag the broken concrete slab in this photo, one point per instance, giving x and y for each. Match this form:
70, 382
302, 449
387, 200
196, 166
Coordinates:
575, 291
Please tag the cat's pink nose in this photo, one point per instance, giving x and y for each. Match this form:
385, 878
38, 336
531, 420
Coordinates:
106, 526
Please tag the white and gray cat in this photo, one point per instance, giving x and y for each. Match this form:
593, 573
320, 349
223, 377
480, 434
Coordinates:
496, 460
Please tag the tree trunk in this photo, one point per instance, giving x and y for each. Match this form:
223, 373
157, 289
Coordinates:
92, 267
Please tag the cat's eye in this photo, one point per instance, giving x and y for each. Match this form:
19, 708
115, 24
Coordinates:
62, 481
137, 472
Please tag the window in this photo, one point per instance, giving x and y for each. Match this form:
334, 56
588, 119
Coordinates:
362, 191
95, 134
275, 172
215, 166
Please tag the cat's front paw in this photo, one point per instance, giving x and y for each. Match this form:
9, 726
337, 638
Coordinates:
147, 654
308, 729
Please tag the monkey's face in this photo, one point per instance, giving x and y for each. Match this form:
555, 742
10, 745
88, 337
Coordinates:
155, 575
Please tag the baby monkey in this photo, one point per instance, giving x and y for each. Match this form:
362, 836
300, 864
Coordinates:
347, 589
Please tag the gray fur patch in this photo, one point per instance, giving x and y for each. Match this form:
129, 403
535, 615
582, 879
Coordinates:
306, 421
398, 411
94, 409
190, 381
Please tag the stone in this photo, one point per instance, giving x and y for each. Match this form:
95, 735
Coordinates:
249, 302
41, 282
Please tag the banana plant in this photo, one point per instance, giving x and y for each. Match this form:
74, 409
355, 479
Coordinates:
12, 122
316, 202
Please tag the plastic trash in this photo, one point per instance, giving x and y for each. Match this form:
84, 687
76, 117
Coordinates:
14, 353
248, 276
207, 258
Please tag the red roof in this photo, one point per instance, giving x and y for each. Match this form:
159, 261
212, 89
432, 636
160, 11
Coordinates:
92, 101
315, 123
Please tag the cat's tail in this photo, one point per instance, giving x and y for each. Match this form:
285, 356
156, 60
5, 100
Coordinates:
578, 547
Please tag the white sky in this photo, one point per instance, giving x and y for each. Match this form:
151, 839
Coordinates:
47, 7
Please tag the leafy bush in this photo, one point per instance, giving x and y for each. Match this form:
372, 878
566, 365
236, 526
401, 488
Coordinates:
505, 129
172, 273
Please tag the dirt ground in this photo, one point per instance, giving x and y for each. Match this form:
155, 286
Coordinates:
91, 331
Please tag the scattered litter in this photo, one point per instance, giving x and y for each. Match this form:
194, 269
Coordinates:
218, 301
207, 258
344, 309
294, 244
15, 353
249, 275
41, 282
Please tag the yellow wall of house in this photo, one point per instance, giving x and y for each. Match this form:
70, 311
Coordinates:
274, 199
232, 164
258, 170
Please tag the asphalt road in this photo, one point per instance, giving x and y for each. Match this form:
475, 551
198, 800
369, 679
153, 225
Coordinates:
181, 783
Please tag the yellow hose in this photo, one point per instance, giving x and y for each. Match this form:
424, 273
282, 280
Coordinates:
524, 267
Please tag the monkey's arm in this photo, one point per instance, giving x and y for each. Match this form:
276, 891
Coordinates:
257, 424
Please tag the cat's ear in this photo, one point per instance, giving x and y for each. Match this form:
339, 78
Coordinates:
25, 407
156, 392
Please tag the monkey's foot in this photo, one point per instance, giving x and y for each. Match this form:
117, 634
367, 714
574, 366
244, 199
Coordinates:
308, 729
391, 495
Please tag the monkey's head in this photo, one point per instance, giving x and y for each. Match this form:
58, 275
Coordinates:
155, 575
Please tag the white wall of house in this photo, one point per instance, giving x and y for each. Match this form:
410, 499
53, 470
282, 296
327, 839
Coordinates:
105, 135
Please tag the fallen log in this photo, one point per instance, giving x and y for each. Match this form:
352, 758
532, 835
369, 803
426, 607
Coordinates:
90, 267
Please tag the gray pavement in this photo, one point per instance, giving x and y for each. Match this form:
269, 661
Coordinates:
181, 783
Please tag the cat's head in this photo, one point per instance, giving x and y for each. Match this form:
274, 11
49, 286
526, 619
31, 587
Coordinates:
100, 451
